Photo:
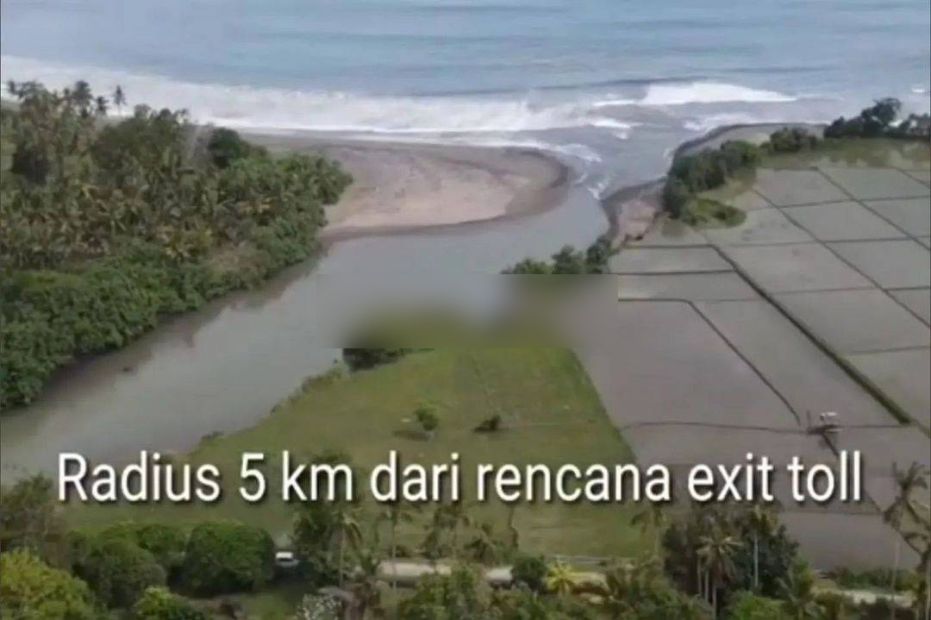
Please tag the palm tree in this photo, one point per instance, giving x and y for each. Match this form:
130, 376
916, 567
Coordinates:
433, 547
627, 582
101, 105
347, 531
798, 593
906, 507
394, 514
81, 95
921, 541
761, 522
619, 590
446, 520
907, 481
483, 546
119, 99
717, 552
704, 520
453, 516
921, 597
561, 579
513, 535
652, 518
364, 582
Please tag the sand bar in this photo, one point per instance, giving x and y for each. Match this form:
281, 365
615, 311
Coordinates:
404, 187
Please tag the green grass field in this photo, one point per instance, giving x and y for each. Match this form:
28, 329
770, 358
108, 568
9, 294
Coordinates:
551, 413
707, 213
853, 152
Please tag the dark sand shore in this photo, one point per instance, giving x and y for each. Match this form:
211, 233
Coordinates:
400, 187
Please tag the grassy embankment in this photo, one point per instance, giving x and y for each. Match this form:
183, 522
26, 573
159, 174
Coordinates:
551, 414
700, 186
847, 152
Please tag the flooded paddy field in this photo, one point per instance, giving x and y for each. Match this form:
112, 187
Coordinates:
732, 340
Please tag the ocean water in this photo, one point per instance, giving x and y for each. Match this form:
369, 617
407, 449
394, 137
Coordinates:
587, 79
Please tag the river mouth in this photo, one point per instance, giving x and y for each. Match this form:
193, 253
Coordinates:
225, 366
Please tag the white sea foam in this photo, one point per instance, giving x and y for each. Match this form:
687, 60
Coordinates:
614, 102
684, 93
597, 187
577, 151
707, 123
274, 108
249, 107
708, 92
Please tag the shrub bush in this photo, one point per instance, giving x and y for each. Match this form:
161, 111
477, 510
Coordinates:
791, 140
569, 261
33, 590
118, 571
530, 571
878, 120
489, 425
749, 606
362, 358
160, 604
226, 146
676, 197
709, 169
165, 542
879, 578
224, 557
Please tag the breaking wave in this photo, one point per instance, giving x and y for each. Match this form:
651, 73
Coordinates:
249, 107
709, 92
275, 108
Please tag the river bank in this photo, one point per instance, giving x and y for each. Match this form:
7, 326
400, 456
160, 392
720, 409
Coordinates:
223, 367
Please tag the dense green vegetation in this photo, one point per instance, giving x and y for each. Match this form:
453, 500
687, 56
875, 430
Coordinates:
569, 261
161, 604
752, 548
107, 226
708, 169
117, 570
30, 588
879, 120
690, 175
877, 579
733, 563
708, 213
227, 557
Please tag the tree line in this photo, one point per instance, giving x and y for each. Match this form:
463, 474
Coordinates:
108, 224
709, 169
708, 561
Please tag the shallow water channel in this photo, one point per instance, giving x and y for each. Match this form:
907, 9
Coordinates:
224, 367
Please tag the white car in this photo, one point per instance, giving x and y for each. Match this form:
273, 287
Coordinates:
286, 559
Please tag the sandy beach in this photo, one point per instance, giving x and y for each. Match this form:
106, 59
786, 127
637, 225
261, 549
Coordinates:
400, 187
